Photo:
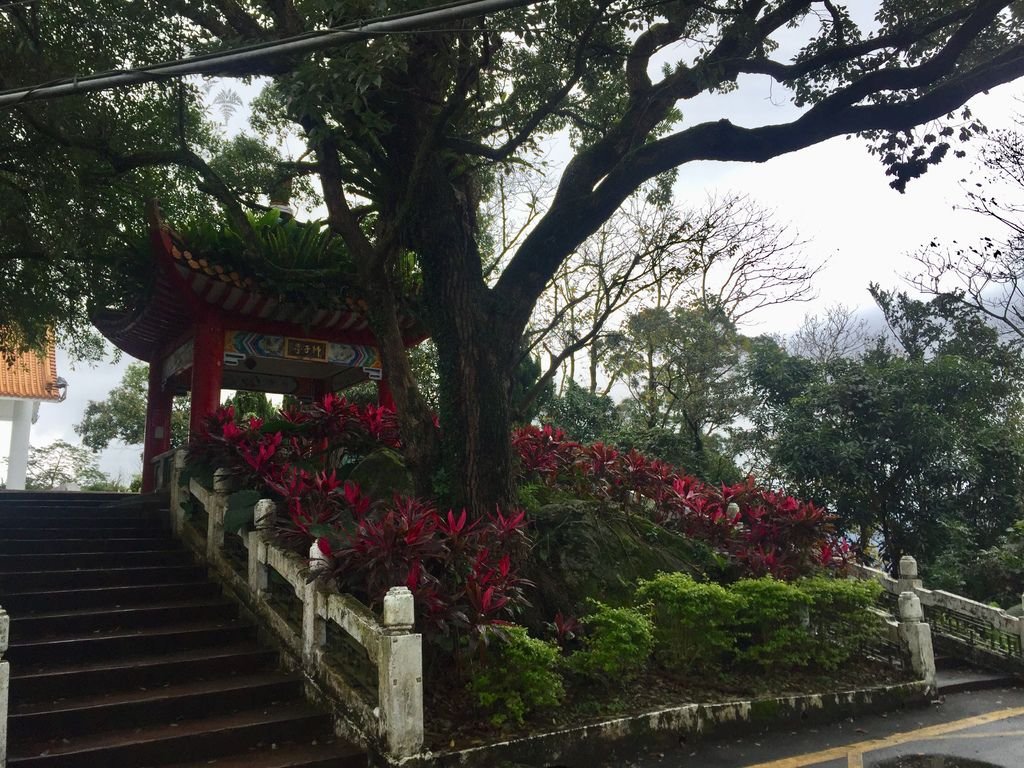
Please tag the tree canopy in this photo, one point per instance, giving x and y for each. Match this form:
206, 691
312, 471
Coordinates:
913, 442
122, 416
405, 135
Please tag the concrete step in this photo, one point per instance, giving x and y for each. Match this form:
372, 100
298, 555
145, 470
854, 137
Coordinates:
31, 602
56, 546
88, 560
22, 581
137, 671
961, 679
124, 654
98, 646
59, 624
194, 740
192, 699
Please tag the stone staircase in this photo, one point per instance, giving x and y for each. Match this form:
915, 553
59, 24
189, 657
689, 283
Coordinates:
124, 655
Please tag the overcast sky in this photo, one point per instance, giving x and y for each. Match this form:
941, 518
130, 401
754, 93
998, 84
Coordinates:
835, 195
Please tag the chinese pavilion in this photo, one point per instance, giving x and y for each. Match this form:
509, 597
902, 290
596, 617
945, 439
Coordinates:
31, 379
203, 326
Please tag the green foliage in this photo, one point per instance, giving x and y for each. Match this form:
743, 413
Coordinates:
694, 621
585, 416
519, 676
617, 644
382, 474
840, 621
682, 368
122, 416
300, 260
919, 443
251, 405
534, 496
586, 549
994, 574
772, 628
60, 464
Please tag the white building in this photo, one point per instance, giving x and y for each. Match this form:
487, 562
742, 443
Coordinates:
29, 381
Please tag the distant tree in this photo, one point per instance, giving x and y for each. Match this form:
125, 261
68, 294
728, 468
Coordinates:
910, 440
251, 405
729, 254
837, 333
682, 370
584, 415
987, 274
61, 463
122, 416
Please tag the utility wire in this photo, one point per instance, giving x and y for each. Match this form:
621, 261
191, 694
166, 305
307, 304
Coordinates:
215, 63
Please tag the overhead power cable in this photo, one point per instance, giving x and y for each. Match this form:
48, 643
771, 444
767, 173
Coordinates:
216, 63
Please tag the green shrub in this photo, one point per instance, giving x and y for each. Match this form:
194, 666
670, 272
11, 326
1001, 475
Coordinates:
694, 623
617, 644
772, 627
840, 622
520, 676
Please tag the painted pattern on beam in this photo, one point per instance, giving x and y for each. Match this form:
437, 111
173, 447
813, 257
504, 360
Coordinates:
239, 345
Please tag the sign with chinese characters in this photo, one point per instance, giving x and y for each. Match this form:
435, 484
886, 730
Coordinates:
239, 345
305, 349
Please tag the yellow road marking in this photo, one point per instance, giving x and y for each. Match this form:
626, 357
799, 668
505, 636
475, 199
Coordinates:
853, 752
986, 735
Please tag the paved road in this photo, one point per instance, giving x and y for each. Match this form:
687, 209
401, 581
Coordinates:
985, 726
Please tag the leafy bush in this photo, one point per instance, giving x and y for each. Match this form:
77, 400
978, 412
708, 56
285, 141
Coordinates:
761, 532
694, 623
520, 676
616, 646
773, 626
840, 621
464, 573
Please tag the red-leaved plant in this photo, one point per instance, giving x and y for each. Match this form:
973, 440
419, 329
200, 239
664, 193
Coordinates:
761, 532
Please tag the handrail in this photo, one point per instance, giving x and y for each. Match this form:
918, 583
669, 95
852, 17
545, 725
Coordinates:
396, 722
966, 624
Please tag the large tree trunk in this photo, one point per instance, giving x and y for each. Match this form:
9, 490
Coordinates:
476, 344
434, 213
477, 355
475, 406
421, 445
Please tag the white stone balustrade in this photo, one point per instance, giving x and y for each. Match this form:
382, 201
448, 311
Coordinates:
5, 683
917, 638
391, 642
909, 582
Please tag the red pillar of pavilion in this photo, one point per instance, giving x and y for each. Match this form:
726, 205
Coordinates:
159, 403
207, 369
385, 399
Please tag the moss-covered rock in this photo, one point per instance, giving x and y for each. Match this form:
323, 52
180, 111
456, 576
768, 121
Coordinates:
382, 474
591, 550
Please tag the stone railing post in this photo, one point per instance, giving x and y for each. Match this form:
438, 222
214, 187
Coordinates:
1020, 627
5, 683
909, 579
400, 676
314, 629
263, 518
917, 637
178, 493
215, 515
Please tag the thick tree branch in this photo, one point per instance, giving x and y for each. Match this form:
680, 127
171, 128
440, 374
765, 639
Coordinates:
577, 211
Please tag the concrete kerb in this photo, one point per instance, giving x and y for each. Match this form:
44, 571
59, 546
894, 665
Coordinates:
621, 739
